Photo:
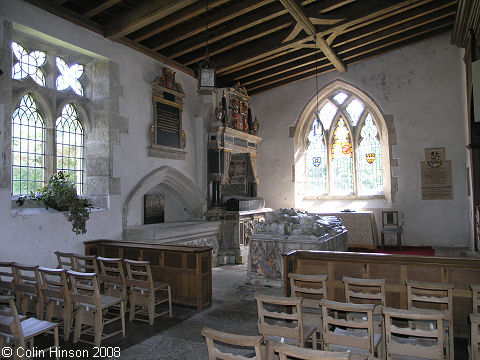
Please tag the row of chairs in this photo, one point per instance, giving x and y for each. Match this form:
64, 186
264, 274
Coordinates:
75, 290
362, 325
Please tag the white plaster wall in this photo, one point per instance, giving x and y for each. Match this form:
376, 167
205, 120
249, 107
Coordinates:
423, 87
32, 239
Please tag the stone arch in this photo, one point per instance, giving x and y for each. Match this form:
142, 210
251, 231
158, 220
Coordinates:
185, 191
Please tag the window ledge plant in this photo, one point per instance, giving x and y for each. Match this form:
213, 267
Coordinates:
61, 194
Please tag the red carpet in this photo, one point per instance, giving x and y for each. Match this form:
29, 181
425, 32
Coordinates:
408, 250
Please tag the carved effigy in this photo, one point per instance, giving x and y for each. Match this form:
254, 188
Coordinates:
285, 230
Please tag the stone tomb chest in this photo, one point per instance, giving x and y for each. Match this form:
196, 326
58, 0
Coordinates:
286, 230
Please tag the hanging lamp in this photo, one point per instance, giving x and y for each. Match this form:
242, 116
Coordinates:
206, 70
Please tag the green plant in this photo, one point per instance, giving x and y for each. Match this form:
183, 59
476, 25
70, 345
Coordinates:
61, 194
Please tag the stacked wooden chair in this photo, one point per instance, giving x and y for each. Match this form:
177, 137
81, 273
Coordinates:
410, 340
280, 320
56, 295
146, 293
92, 308
233, 341
427, 295
312, 289
20, 333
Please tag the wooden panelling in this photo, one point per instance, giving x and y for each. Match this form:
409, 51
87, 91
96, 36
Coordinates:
396, 269
188, 269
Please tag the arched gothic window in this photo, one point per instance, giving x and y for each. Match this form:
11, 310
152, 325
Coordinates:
28, 147
69, 141
344, 146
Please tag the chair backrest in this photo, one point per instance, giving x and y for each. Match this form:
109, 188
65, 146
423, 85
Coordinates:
390, 220
54, 284
84, 288
111, 270
311, 288
10, 325
475, 298
365, 291
286, 351
337, 314
139, 274
86, 263
26, 279
65, 260
280, 316
212, 336
474, 336
411, 340
6, 277
431, 295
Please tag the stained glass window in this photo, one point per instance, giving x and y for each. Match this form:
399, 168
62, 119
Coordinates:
369, 162
28, 147
69, 135
316, 161
342, 160
355, 109
327, 114
69, 76
29, 64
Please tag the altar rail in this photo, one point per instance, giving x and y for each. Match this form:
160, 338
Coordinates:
188, 269
396, 269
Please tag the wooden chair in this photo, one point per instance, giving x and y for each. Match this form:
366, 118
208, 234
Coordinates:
368, 291
144, 292
243, 341
22, 333
280, 319
90, 308
390, 225
6, 278
411, 342
65, 260
312, 289
26, 284
474, 348
86, 263
344, 332
475, 298
55, 293
426, 295
112, 276
286, 351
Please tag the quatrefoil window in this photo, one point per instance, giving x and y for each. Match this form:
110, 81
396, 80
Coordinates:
69, 76
29, 64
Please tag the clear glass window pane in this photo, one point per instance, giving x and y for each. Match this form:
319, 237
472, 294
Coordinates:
69, 137
69, 76
342, 160
354, 110
326, 114
316, 158
28, 147
340, 98
29, 64
370, 176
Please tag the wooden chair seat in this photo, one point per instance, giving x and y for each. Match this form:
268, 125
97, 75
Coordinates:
286, 351
354, 333
156, 286
32, 327
105, 300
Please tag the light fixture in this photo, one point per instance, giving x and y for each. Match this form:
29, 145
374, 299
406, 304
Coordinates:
206, 70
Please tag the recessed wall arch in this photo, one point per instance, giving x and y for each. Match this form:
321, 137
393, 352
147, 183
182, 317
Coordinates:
184, 190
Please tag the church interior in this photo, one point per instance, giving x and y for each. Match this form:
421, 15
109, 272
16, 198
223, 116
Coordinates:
176, 174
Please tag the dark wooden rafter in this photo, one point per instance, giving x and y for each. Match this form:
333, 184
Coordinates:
146, 13
267, 43
100, 8
307, 25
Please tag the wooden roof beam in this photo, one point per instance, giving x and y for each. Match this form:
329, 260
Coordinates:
309, 28
101, 7
143, 15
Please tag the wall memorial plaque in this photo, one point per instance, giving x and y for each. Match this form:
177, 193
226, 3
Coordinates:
167, 138
436, 175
